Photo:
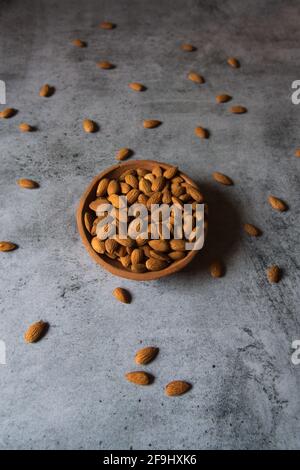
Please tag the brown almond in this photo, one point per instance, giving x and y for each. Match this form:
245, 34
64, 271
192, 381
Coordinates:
137, 86
177, 190
7, 246
102, 187
151, 123
137, 256
113, 187
27, 183
145, 185
143, 199
98, 245
132, 196
142, 172
159, 255
7, 113
195, 77
195, 194
252, 230
132, 181
238, 109
128, 242
277, 204
123, 154
105, 65
146, 355
154, 199
177, 245
138, 268
107, 25
122, 295
88, 221
274, 274
223, 98
221, 178
176, 388
150, 177
188, 47
176, 255
160, 245
233, 62
111, 245
158, 184
79, 43
153, 264
216, 269
139, 377
89, 125
97, 202
24, 127
125, 261
114, 200
130, 171
166, 197
201, 132
46, 90
297, 153
36, 331
170, 172
157, 171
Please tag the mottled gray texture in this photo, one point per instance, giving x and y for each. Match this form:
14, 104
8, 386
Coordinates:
230, 337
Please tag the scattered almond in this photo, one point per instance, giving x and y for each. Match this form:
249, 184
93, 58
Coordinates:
238, 109
195, 77
122, 295
7, 113
105, 65
137, 86
188, 47
223, 179
223, 98
216, 269
146, 355
27, 183
46, 90
233, 62
139, 378
277, 204
151, 123
201, 132
36, 331
79, 43
274, 274
24, 127
89, 125
7, 246
107, 25
176, 388
123, 154
252, 230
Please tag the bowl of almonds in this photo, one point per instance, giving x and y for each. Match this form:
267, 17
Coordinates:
140, 220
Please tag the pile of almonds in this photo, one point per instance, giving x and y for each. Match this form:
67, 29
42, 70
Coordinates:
167, 186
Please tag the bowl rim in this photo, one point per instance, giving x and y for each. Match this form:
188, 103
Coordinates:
85, 236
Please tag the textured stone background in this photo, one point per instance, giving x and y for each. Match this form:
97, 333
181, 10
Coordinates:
230, 337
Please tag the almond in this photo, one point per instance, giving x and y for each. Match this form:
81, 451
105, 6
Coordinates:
110, 245
216, 269
131, 171
160, 245
233, 62
102, 187
252, 230
145, 185
154, 199
166, 197
188, 47
137, 86
238, 109
123, 154
24, 127
97, 202
170, 172
146, 355
137, 256
27, 183
176, 255
158, 184
122, 295
98, 245
113, 187
274, 274
132, 181
105, 65
141, 172
223, 98
143, 199
297, 153
132, 196
277, 204
125, 188
223, 179
201, 133
153, 264
151, 123
176, 388
114, 200
46, 90
157, 171
79, 43
138, 268
159, 255
195, 194
125, 261
8, 113
88, 221
128, 242
195, 77
107, 25
177, 245
36, 331
139, 378
150, 177
89, 125
7, 246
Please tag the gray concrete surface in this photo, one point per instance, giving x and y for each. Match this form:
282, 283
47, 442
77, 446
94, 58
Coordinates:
230, 337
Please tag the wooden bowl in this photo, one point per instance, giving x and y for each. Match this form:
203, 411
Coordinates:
114, 266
